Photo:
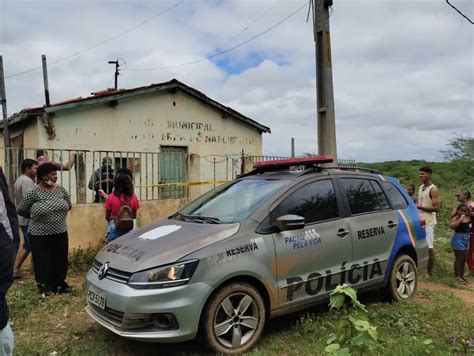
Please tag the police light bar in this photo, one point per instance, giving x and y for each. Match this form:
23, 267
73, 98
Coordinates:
290, 162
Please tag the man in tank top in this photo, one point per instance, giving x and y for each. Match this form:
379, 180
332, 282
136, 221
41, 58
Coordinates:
429, 204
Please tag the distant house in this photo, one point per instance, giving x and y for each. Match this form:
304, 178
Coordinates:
192, 133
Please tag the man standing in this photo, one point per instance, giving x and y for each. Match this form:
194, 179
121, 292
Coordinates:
8, 233
22, 185
411, 192
102, 179
429, 204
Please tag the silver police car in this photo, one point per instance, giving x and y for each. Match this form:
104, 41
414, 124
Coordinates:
271, 242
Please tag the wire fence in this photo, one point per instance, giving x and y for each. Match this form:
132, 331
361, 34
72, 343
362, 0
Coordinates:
156, 175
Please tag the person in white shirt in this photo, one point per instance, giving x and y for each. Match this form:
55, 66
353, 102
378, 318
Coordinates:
429, 204
22, 185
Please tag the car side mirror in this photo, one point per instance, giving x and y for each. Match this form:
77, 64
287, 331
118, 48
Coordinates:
290, 222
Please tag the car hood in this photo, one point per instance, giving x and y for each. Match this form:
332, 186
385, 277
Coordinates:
164, 242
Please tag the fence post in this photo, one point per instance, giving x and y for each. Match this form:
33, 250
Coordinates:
80, 178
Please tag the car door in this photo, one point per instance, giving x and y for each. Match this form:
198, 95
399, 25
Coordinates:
308, 261
373, 227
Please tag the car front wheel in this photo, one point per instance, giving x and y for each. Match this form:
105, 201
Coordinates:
234, 318
403, 279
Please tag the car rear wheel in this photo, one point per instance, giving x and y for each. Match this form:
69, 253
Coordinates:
234, 318
403, 279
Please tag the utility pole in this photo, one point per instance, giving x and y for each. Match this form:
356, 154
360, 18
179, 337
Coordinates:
3, 97
6, 129
292, 147
324, 85
117, 66
45, 81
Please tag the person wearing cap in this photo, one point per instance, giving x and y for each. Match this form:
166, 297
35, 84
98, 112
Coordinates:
102, 179
429, 204
47, 205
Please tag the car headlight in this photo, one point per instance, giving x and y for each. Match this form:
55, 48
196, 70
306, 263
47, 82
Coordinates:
176, 274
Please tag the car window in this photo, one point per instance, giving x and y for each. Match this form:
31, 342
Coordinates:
384, 204
361, 195
315, 202
233, 202
396, 197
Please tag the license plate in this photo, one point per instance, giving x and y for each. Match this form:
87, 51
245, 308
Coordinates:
96, 296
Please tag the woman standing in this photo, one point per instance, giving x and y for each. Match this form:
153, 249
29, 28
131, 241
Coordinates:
121, 207
461, 224
47, 205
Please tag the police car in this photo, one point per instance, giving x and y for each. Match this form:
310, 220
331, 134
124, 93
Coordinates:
273, 241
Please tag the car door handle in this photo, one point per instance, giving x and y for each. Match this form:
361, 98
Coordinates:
391, 224
342, 233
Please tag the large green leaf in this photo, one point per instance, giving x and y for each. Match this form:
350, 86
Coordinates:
336, 301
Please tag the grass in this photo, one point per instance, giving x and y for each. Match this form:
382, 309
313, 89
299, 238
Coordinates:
416, 327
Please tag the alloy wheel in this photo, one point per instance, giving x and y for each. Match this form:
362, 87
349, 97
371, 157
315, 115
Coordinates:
236, 320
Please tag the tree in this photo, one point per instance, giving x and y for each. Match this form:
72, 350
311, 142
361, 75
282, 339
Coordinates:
460, 152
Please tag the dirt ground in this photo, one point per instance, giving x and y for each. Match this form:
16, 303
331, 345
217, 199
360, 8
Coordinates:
465, 294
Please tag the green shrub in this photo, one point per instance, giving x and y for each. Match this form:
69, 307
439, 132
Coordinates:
81, 259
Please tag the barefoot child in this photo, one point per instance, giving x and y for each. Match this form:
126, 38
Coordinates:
461, 224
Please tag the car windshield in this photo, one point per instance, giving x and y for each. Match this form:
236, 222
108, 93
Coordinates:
230, 203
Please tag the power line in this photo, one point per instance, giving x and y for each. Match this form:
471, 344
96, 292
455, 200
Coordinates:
255, 20
226, 50
101, 42
467, 18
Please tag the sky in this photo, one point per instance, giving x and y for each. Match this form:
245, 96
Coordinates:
403, 69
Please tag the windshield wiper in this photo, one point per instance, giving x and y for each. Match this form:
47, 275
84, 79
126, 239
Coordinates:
203, 219
196, 218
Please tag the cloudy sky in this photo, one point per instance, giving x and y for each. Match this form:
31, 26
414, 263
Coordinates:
403, 69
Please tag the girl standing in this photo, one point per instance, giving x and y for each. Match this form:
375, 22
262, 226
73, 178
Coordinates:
461, 224
121, 205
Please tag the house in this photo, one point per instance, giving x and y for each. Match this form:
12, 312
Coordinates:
177, 121
165, 133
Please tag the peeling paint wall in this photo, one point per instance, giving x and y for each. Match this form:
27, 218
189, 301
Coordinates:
147, 122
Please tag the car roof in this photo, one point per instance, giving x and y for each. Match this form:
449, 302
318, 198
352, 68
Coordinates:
302, 174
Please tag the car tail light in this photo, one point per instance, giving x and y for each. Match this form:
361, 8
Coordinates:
422, 220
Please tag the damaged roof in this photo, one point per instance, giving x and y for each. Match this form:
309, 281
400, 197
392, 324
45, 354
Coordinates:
111, 95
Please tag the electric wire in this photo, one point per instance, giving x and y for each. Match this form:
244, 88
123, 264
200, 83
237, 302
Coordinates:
455, 8
254, 20
223, 51
99, 43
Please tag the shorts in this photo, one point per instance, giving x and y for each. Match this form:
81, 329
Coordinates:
26, 238
113, 232
430, 235
460, 241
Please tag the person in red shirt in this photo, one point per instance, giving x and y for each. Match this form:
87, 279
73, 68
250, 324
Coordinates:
122, 195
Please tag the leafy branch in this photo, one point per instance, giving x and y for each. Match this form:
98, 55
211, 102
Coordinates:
355, 334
